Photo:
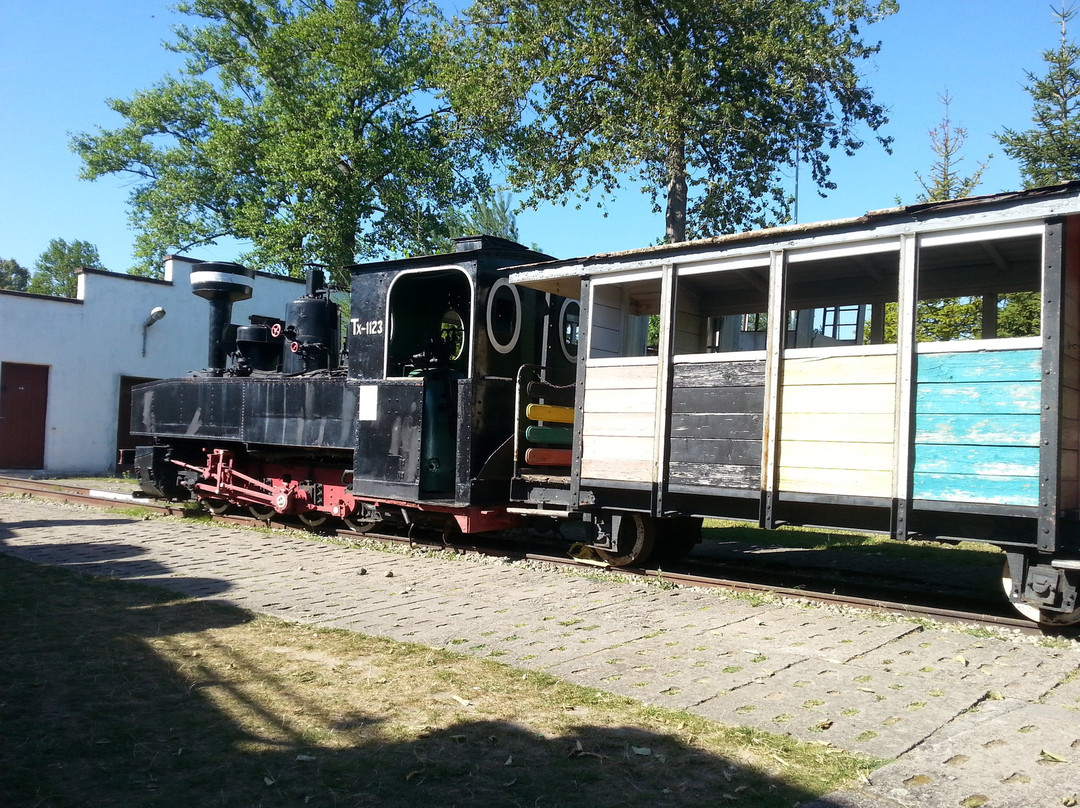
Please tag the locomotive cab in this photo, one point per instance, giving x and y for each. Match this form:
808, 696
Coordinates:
435, 344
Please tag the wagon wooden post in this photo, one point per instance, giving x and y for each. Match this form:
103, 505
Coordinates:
770, 447
905, 387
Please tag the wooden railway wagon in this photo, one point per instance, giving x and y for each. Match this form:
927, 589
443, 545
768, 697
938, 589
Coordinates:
807, 374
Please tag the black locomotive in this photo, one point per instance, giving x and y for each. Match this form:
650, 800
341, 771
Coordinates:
417, 426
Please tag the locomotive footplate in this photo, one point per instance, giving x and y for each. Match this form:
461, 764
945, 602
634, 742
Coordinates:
542, 490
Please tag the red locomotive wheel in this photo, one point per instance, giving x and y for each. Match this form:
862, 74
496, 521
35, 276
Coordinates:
313, 519
264, 512
215, 506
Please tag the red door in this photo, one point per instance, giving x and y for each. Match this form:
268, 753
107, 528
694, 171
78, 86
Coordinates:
24, 394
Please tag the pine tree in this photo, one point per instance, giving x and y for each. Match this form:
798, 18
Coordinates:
946, 141
1049, 152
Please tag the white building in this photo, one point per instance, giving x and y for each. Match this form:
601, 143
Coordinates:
67, 365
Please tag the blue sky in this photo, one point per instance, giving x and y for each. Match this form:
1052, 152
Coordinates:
61, 59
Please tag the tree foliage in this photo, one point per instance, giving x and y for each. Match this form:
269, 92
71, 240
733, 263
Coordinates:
491, 215
1019, 314
13, 276
704, 103
960, 318
1049, 152
310, 128
54, 271
945, 182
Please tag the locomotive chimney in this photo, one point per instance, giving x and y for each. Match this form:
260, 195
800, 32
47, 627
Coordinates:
222, 283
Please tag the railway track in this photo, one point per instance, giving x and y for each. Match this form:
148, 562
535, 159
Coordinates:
701, 577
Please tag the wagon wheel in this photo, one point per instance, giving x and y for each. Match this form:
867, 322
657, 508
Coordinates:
1034, 613
264, 512
313, 518
677, 537
215, 506
637, 534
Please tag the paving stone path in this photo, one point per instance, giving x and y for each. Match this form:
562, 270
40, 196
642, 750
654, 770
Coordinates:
969, 721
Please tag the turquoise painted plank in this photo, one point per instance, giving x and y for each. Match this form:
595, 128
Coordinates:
987, 429
986, 397
978, 461
981, 366
961, 488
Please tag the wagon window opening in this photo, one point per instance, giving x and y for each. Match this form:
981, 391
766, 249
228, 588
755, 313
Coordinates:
848, 300
721, 312
623, 317
979, 290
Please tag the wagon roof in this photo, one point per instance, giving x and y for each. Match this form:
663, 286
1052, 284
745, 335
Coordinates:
563, 277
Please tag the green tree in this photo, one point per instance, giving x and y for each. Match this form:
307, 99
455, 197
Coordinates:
1019, 314
1049, 152
491, 215
950, 318
703, 103
12, 275
944, 182
310, 128
54, 271
937, 320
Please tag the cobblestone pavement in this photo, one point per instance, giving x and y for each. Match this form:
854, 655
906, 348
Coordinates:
968, 721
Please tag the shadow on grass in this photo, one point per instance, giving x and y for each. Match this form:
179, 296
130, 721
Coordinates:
118, 694
931, 573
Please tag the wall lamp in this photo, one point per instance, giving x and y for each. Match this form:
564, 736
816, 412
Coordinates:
156, 314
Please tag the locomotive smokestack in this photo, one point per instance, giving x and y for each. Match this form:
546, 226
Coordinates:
222, 283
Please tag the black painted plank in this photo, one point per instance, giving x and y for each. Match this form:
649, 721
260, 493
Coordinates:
718, 400
716, 452
744, 426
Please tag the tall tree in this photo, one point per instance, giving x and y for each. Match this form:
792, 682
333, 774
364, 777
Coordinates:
949, 318
703, 102
947, 141
310, 128
12, 275
54, 271
1049, 152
